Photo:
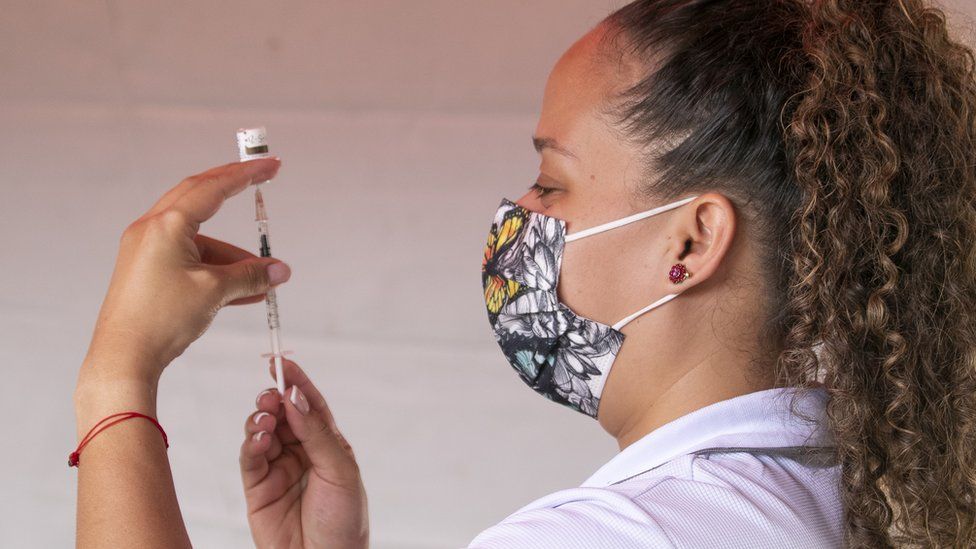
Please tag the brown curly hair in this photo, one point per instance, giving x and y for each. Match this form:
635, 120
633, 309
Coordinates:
844, 131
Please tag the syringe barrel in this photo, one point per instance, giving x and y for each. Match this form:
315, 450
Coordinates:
271, 298
252, 143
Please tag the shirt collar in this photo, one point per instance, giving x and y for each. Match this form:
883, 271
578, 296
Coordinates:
760, 419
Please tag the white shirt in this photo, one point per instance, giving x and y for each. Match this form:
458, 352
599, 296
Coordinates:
726, 475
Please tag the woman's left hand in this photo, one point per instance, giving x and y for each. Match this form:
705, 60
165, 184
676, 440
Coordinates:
169, 281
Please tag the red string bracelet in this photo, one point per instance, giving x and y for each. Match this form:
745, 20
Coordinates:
75, 456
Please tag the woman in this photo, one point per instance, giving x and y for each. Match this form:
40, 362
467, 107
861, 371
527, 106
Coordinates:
797, 177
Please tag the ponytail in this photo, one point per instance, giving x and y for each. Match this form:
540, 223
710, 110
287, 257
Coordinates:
883, 148
843, 130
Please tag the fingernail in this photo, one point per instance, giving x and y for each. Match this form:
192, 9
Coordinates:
298, 399
278, 273
257, 418
257, 436
263, 167
257, 401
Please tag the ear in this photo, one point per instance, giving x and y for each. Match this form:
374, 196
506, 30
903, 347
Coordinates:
701, 237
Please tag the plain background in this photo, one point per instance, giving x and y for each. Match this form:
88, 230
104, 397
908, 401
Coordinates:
401, 125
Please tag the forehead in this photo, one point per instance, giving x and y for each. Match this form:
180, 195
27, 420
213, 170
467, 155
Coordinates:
577, 90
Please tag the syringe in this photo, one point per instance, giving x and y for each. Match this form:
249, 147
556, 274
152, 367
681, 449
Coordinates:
253, 143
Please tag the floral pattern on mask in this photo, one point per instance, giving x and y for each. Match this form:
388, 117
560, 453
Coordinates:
561, 355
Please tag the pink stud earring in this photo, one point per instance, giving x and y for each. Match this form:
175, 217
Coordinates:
678, 273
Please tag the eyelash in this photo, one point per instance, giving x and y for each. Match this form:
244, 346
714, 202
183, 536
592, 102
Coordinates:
540, 190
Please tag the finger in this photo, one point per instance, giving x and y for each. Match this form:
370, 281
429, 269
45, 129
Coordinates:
253, 459
328, 451
247, 300
207, 191
283, 474
182, 187
267, 422
310, 420
270, 401
218, 252
249, 278
260, 421
294, 375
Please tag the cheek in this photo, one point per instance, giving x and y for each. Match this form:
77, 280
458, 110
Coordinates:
606, 277
588, 280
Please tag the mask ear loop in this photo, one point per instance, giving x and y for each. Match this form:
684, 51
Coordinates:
627, 220
657, 303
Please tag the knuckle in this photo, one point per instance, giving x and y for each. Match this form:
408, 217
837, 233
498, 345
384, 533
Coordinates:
131, 232
203, 179
194, 179
172, 220
319, 403
212, 282
216, 278
133, 227
163, 223
258, 416
138, 226
321, 429
327, 431
344, 443
255, 275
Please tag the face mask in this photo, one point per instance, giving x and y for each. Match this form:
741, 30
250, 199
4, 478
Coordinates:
559, 354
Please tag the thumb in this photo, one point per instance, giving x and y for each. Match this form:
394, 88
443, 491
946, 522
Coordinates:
328, 451
250, 277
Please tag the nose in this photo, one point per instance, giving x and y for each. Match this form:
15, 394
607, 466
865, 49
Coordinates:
531, 201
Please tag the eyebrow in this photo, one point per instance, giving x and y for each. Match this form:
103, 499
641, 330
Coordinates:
542, 143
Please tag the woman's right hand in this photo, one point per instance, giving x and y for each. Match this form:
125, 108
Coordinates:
287, 440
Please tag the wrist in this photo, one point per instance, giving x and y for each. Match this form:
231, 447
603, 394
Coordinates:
113, 382
119, 356
94, 400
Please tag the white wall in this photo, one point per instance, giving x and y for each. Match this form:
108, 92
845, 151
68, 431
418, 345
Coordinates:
401, 125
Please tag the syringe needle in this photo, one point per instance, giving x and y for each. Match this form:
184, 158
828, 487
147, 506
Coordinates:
261, 214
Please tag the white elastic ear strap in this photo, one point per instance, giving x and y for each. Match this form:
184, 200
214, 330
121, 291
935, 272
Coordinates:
627, 320
630, 219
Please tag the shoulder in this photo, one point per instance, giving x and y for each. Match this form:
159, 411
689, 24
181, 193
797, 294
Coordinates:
694, 501
576, 518
754, 500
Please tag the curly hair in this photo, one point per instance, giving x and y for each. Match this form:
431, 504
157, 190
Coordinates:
843, 130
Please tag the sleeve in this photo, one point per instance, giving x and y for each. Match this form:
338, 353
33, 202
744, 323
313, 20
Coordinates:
576, 525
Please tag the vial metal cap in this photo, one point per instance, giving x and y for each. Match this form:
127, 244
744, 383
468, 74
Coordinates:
252, 143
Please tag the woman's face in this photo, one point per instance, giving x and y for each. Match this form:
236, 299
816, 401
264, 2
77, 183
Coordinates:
590, 175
